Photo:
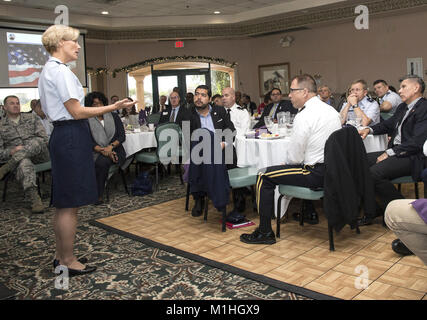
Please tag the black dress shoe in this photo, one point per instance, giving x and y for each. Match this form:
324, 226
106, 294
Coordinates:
257, 237
81, 260
198, 207
310, 218
365, 221
399, 247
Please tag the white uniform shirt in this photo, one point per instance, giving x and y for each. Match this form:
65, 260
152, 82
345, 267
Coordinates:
241, 119
393, 98
57, 85
312, 127
369, 107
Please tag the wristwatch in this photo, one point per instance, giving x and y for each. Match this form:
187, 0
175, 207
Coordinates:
355, 106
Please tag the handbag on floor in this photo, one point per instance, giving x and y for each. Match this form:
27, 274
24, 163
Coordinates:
142, 185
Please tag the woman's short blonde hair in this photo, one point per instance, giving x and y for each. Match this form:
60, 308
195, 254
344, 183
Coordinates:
54, 34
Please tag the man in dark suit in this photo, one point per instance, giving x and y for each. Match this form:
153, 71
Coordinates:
404, 156
278, 105
161, 106
248, 104
212, 118
175, 112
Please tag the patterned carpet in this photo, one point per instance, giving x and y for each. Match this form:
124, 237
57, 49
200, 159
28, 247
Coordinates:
127, 269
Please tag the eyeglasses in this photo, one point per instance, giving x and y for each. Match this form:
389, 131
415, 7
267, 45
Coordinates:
295, 89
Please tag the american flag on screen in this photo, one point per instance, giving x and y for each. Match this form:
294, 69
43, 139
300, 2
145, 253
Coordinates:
26, 62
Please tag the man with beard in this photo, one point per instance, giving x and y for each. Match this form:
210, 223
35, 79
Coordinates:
212, 118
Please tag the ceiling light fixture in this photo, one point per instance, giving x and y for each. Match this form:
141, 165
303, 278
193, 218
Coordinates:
7, 0
217, 12
105, 12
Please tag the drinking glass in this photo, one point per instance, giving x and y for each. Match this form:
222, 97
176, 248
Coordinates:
269, 123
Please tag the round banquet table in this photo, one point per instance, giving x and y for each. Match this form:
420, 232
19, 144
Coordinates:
260, 153
136, 141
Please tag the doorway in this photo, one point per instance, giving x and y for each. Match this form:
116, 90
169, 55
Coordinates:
186, 80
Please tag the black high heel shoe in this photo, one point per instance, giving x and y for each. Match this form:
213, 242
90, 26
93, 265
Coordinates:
56, 262
77, 272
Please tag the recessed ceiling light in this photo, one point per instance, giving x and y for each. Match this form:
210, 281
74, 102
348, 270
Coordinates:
105, 12
7, 0
217, 12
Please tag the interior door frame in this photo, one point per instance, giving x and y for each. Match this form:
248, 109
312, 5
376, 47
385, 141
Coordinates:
181, 74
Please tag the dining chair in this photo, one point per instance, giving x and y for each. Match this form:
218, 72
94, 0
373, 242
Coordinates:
239, 178
111, 172
406, 179
162, 155
153, 118
40, 168
385, 115
304, 194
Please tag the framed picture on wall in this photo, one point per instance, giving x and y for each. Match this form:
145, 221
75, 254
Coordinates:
274, 76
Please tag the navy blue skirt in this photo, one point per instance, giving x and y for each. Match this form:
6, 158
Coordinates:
73, 168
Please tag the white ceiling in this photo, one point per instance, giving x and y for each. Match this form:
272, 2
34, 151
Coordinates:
151, 8
154, 13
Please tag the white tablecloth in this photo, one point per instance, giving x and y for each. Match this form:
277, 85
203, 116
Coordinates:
137, 141
266, 153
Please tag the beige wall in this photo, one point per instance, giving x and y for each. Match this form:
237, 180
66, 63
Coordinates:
339, 53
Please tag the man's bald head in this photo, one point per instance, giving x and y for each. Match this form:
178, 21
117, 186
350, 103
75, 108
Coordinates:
228, 97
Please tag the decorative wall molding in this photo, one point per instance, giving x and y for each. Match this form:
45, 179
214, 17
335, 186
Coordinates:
274, 24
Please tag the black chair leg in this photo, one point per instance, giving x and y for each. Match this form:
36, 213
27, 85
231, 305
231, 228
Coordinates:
224, 216
253, 197
279, 204
122, 173
301, 216
205, 217
187, 197
38, 185
6, 179
180, 173
157, 176
331, 238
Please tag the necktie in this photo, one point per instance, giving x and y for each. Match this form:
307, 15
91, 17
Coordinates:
228, 112
172, 118
273, 111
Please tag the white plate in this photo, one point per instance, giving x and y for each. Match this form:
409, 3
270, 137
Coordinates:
269, 138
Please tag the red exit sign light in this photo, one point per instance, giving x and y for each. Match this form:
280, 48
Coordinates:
179, 44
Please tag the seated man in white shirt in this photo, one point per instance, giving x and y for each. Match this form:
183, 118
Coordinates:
313, 124
360, 105
389, 100
241, 120
37, 110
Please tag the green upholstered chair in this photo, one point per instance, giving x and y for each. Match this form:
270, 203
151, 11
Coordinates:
305, 194
154, 118
239, 178
385, 115
406, 179
166, 151
40, 168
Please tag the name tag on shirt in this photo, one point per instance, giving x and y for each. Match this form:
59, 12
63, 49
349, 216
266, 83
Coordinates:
165, 113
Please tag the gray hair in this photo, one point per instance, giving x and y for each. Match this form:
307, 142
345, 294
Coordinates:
417, 79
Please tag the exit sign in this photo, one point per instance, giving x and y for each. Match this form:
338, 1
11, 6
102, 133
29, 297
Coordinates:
179, 44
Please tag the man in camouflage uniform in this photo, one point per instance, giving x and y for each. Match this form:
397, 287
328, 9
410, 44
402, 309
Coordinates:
23, 143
